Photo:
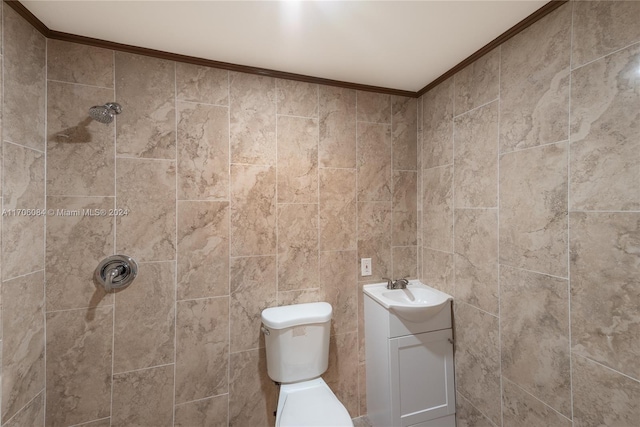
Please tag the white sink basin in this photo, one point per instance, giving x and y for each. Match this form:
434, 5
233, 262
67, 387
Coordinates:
417, 303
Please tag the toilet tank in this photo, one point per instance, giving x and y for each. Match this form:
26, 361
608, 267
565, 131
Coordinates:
297, 341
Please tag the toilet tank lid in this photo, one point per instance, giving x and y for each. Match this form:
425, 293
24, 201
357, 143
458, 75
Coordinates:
296, 314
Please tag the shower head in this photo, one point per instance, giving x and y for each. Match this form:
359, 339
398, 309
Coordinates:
105, 113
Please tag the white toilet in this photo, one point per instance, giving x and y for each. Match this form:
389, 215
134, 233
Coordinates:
297, 344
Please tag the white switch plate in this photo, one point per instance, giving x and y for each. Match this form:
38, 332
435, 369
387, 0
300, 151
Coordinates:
365, 267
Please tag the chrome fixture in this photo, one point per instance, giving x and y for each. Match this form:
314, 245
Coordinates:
396, 284
116, 272
105, 113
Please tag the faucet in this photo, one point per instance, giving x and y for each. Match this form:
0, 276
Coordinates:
396, 284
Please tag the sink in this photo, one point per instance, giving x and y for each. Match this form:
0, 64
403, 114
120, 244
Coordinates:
417, 303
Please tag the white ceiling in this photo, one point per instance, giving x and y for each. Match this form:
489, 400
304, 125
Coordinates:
393, 44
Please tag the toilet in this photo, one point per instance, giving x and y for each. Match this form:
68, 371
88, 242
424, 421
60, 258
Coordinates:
297, 345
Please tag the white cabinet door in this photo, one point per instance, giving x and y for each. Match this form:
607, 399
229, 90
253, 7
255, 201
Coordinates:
421, 368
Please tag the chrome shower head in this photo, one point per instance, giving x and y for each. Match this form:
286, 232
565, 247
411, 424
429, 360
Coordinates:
105, 113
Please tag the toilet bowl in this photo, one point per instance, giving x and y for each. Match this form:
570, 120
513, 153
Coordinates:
297, 347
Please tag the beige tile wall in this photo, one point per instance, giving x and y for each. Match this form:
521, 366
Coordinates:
243, 191
529, 217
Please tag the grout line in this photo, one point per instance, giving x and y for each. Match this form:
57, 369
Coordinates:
21, 276
143, 369
502, 264
599, 58
91, 422
277, 206
42, 391
185, 101
609, 368
115, 233
474, 407
203, 298
81, 196
534, 147
534, 397
27, 147
461, 301
567, 216
228, 245
44, 231
482, 105
175, 231
498, 235
201, 399
297, 117
144, 159
603, 211
74, 83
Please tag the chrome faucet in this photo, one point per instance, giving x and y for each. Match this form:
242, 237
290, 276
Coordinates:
396, 284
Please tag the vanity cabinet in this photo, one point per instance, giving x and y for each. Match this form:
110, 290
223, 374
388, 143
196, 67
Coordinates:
410, 378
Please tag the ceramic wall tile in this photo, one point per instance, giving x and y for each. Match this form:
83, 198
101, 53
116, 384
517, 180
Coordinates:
404, 132
23, 114
437, 125
405, 221
437, 198
337, 112
602, 396
405, 262
601, 27
211, 412
605, 143
31, 415
79, 63
475, 179
76, 242
253, 288
337, 216
297, 160
23, 375
252, 395
535, 110
476, 258
374, 162
297, 98
146, 190
519, 408
534, 314
203, 249
202, 348
605, 266
533, 209
80, 151
24, 178
297, 246
342, 374
478, 359
374, 107
338, 278
253, 210
79, 355
22, 245
145, 319
252, 112
437, 270
469, 416
143, 398
301, 297
374, 237
477, 84
196, 83
362, 389
203, 152
145, 88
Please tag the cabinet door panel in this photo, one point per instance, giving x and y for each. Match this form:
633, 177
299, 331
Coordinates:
421, 377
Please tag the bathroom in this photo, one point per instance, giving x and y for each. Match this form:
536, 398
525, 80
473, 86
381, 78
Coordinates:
512, 186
